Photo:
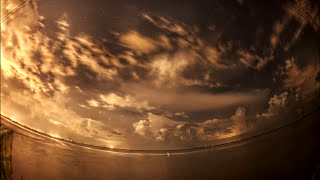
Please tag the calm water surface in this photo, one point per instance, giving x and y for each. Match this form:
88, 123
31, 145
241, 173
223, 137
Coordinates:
290, 152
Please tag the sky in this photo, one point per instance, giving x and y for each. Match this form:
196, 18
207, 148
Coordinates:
158, 74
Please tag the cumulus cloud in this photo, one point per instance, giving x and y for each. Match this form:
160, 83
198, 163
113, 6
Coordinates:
155, 127
45, 64
148, 86
300, 87
223, 128
142, 127
277, 103
239, 120
159, 128
303, 79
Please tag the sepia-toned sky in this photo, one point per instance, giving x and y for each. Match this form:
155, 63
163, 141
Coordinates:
157, 74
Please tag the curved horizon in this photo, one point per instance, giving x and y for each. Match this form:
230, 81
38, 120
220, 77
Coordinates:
151, 151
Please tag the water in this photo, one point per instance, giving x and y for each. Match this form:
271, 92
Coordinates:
290, 152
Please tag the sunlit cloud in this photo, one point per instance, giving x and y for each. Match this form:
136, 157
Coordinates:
303, 79
159, 128
195, 101
276, 104
138, 43
252, 60
148, 86
127, 101
166, 24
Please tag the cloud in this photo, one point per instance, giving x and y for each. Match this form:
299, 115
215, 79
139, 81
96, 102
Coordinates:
138, 43
80, 87
155, 127
223, 128
182, 100
168, 25
63, 25
167, 69
213, 55
83, 50
20, 49
14, 12
142, 127
294, 12
253, 60
239, 120
39, 68
112, 100
30, 55
47, 67
278, 27
185, 38
181, 114
93, 103
303, 79
158, 128
277, 103
299, 93
56, 119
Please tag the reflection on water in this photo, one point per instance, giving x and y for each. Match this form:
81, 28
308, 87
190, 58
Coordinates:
290, 151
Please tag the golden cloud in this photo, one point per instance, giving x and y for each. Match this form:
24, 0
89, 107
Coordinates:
303, 79
52, 67
138, 43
